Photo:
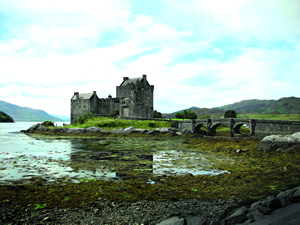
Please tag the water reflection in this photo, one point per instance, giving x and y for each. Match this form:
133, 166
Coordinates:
129, 160
23, 157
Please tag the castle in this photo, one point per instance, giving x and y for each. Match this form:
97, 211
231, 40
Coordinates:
134, 99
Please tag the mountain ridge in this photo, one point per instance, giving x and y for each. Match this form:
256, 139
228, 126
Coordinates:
285, 105
25, 114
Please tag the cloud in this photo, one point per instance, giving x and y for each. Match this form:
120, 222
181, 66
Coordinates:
196, 53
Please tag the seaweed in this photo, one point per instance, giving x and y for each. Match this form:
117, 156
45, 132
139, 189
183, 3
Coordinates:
251, 175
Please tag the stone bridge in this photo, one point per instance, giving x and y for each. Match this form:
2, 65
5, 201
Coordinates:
257, 126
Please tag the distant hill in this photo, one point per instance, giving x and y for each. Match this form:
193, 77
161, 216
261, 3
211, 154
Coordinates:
5, 118
25, 114
290, 105
63, 118
200, 112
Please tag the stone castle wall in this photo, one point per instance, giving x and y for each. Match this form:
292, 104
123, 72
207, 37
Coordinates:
134, 99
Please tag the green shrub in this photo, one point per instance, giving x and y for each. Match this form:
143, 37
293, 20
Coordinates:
230, 114
48, 124
157, 114
113, 113
151, 124
85, 116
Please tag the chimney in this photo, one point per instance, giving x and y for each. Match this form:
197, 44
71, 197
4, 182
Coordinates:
145, 79
94, 92
125, 78
76, 94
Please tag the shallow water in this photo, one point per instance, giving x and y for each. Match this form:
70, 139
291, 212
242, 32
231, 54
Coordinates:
23, 157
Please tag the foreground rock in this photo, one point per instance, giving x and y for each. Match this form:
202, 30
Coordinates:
274, 210
269, 210
280, 143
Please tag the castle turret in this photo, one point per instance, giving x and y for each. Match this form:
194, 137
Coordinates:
145, 78
76, 94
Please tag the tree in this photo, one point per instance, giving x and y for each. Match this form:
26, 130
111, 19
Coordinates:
186, 114
179, 115
157, 114
230, 114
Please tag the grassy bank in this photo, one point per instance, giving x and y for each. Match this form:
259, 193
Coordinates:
270, 116
116, 123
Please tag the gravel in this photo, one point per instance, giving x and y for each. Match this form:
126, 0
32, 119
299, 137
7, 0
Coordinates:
105, 212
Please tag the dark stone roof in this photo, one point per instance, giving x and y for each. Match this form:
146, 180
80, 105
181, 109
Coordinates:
83, 96
131, 81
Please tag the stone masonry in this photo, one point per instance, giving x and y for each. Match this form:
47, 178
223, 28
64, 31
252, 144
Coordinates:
134, 99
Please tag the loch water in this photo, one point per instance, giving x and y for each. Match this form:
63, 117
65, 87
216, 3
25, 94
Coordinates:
23, 157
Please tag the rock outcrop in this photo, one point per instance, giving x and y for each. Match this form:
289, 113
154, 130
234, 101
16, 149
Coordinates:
258, 211
280, 143
128, 130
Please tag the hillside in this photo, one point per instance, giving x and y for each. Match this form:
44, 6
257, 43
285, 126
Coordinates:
200, 112
5, 118
253, 105
25, 114
290, 105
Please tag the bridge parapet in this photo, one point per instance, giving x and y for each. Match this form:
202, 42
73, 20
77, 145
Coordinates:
257, 126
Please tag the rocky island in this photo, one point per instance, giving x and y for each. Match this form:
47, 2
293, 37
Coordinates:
4, 118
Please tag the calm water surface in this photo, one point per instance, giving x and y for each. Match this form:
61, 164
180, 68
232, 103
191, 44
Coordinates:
23, 157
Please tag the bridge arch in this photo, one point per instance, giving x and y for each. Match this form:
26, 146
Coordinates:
198, 129
214, 126
238, 126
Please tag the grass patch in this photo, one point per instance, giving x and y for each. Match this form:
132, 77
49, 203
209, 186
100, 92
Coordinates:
116, 123
270, 116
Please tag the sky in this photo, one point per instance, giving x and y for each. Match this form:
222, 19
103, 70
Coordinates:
195, 52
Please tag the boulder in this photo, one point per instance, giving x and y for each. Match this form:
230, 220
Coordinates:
296, 135
75, 130
296, 195
275, 142
163, 129
238, 216
186, 131
93, 129
142, 131
195, 221
128, 130
270, 202
172, 221
34, 127
286, 198
178, 133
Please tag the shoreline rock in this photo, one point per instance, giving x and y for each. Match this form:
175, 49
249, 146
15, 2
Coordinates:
93, 129
280, 143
